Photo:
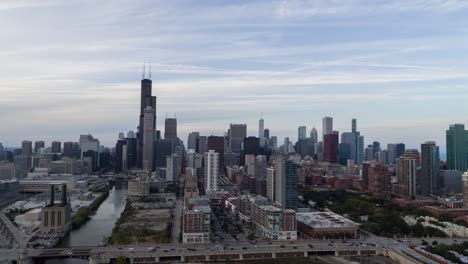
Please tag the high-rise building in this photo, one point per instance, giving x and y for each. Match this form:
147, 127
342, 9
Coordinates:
457, 147
430, 165
211, 170
26, 148
121, 155
2, 153
67, 149
306, 147
380, 184
327, 126
271, 187
266, 133
146, 100
162, 149
237, 133
261, 128
251, 146
356, 142
201, 145
406, 174
192, 140
314, 136
22, 165
344, 153
172, 168
382, 156
395, 151
88, 143
376, 146
452, 181
274, 142
369, 153
56, 147
330, 147
170, 129
465, 189
217, 144
130, 134
286, 183
7, 170
301, 133
148, 139
38, 145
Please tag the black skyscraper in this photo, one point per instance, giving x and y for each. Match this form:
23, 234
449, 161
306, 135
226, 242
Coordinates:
147, 100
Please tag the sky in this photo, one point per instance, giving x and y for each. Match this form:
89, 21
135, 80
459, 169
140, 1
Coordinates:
74, 67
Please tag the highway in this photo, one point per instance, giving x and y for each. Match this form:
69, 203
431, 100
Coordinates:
233, 250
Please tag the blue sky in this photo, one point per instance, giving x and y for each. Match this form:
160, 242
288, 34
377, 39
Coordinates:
72, 67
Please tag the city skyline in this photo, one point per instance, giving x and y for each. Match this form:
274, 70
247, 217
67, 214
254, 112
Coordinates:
265, 54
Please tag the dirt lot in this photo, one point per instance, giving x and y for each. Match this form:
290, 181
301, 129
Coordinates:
143, 226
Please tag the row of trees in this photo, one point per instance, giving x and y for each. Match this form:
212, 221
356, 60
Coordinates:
84, 213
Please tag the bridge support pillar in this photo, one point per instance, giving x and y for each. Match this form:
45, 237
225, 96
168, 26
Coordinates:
273, 255
306, 254
337, 254
241, 256
207, 257
359, 253
156, 259
182, 259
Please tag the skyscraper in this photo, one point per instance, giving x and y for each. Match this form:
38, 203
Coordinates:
170, 129
2, 153
146, 100
406, 174
216, 144
430, 165
301, 133
457, 147
261, 128
327, 126
201, 145
192, 140
355, 141
211, 170
380, 184
87, 144
67, 149
26, 148
286, 183
38, 145
56, 147
148, 139
237, 133
330, 147
314, 136
465, 189
266, 133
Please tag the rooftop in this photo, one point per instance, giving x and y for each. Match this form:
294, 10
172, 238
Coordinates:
324, 220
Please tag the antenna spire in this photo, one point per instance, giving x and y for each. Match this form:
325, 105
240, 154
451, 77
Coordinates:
144, 70
150, 71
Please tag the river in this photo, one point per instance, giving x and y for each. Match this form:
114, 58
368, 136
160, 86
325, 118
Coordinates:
101, 224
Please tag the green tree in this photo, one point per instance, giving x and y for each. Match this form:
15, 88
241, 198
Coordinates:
121, 260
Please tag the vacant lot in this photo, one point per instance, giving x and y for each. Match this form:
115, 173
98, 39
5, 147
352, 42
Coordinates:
142, 226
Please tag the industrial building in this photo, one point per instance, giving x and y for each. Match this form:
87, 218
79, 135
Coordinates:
325, 225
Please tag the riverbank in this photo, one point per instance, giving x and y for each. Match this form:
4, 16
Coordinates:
84, 214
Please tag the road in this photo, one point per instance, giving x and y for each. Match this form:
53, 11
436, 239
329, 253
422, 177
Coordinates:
170, 250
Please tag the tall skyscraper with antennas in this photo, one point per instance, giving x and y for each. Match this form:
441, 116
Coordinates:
147, 100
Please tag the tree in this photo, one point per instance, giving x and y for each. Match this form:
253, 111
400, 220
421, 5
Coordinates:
434, 243
121, 260
424, 243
